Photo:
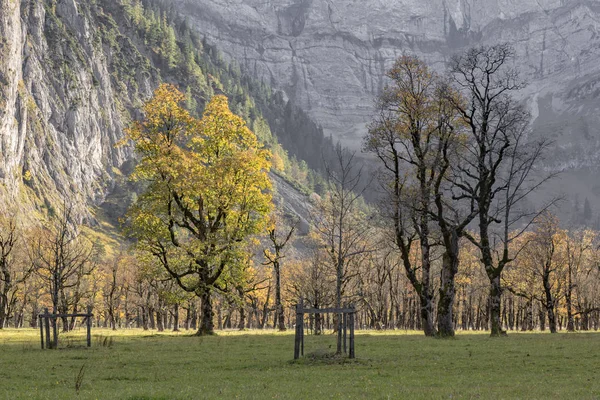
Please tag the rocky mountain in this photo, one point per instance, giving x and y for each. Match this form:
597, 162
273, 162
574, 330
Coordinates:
74, 73
330, 58
65, 99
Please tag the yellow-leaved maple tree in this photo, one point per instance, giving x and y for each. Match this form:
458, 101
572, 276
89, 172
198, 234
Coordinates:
207, 191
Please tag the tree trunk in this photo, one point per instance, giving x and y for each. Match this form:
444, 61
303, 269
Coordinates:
145, 318
549, 303
3, 307
495, 302
242, 321
427, 323
447, 290
569, 303
176, 318
159, 321
206, 323
278, 306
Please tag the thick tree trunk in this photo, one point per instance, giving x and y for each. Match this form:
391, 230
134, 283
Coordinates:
495, 303
447, 289
427, 322
551, 318
426, 295
206, 323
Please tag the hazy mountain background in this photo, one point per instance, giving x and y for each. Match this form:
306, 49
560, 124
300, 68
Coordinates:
330, 58
73, 73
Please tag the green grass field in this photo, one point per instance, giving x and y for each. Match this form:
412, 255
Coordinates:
258, 365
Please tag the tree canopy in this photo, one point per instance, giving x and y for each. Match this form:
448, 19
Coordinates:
208, 190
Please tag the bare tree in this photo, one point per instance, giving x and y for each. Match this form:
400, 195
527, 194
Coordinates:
414, 136
13, 272
548, 262
340, 222
274, 258
62, 258
496, 169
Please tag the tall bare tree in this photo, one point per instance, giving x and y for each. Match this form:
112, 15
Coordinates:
62, 258
13, 271
340, 222
414, 137
274, 258
497, 168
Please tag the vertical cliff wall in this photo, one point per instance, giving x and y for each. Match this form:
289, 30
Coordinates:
330, 57
64, 100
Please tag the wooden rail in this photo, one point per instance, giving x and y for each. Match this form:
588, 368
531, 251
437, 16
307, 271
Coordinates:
45, 319
347, 315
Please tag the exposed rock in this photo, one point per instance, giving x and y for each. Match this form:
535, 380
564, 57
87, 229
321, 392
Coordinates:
63, 105
330, 58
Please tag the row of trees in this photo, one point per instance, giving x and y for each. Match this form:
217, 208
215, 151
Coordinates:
553, 283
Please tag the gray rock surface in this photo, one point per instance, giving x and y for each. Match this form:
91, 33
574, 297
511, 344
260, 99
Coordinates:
330, 58
63, 105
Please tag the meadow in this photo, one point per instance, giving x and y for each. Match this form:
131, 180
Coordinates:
133, 364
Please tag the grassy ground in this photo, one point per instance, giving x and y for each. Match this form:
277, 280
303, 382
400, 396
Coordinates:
253, 365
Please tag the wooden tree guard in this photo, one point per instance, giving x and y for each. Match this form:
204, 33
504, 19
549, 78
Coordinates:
347, 315
45, 319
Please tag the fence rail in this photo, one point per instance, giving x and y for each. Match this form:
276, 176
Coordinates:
48, 320
347, 322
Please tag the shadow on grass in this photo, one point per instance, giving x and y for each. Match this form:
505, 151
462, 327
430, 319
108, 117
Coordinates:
325, 357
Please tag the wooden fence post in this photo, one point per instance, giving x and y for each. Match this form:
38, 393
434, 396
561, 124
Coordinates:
297, 334
302, 327
41, 330
351, 355
344, 325
47, 327
89, 326
54, 329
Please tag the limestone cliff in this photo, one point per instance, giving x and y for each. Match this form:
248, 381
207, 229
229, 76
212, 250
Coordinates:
64, 101
330, 57
73, 74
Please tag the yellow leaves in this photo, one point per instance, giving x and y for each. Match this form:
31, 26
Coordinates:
208, 179
165, 123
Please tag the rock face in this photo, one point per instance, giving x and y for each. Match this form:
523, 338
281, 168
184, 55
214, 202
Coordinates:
63, 103
72, 73
69, 79
330, 57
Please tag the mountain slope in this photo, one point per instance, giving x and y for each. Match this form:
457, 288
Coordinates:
63, 104
74, 73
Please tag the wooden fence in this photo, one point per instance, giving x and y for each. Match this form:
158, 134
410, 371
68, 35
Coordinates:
45, 323
347, 315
